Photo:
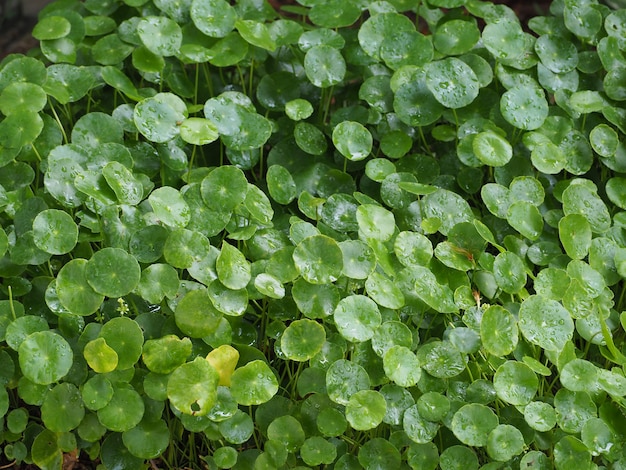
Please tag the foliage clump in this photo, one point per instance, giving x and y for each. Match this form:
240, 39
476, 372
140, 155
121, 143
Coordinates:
365, 234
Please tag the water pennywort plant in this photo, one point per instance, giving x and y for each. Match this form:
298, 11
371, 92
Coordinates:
349, 234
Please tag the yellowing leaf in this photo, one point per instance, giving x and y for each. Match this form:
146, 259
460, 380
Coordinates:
224, 360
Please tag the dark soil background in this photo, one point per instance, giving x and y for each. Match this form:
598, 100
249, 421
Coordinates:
18, 18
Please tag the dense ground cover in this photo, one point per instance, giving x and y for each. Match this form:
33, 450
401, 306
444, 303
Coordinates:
367, 235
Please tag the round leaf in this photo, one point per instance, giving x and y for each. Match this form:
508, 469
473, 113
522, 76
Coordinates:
365, 410
62, 409
452, 82
75, 293
224, 188
515, 383
419, 429
21, 97
160, 34
158, 117
113, 272
253, 384
123, 411
100, 356
198, 131
343, 379
215, 18
441, 359
510, 272
575, 235
302, 340
319, 259
524, 107
192, 387
170, 207
492, 149
540, 416
147, 440
324, 66
233, 270
195, 314
55, 232
125, 336
357, 318
472, 423
352, 140
51, 27
545, 322
505, 442
45, 357
402, 366
498, 331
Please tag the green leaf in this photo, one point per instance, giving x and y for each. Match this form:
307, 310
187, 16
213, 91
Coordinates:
192, 387
125, 336
215, 18
127, 188
581, 197
375, 222
17, 130
504, 40
315, 300
74, 291
515, 383
334, 14
158, 118
21, 97
447, 207
195, 314
45, 357
402, 366
498, 330
170, 207
492, 149
255, 33
383, 291
545, 322
319, 259
357, 318
317, 451
288, 431
55, 232
365, 410
302, 340
438, 296
525, 218
51, 27
233, 270
456, 37
224, 188
160, 34
417, 428
540, 416
575, 235
352, 140
198, 131
473, 423
415, 104
343, 379
510, 272
441, 359
298, 109
505, 442
113, 272
164, 355
405, 48
375, 29
123, 411
147, 440
324, 66
579, 375
253, 383
62, 409
229, 50
452, 82
281, 185
524, 107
